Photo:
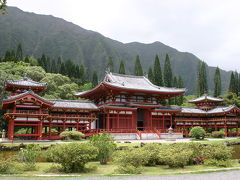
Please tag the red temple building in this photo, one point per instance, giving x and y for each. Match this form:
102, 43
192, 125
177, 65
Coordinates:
209, 116
132, 104
120, 104
44, 118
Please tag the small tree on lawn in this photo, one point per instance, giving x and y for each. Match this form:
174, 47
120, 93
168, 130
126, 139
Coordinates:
197, 132
105, 145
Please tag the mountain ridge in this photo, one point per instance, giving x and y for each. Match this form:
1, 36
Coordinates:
56, 37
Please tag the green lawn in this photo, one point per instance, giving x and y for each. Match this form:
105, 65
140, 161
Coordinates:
219, 140
109, 170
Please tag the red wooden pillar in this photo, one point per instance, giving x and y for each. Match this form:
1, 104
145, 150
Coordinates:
50, 128
77, 125
134, 119
225, 126
40, 129
107, 122
10, 129
236, 128
163, 119
171, 121
89, 125
150, 118
118, 120
64, 124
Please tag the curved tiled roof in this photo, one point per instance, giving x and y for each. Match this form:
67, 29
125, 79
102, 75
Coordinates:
206, 98
218, 109
24, 94
26, 82
72, 104
136, 82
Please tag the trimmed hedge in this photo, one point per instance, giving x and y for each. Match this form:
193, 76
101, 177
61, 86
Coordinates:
75, 135
197, 132
72, 156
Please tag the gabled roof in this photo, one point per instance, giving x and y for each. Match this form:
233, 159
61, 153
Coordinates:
212, 111
136, 83
12, 99
25, 82
206, 98
73, 104
131, 83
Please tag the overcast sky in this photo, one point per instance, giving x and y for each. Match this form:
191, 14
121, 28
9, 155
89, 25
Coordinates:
210, 29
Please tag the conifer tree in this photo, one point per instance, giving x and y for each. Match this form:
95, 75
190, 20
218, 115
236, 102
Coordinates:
175, 84
121, 68
236, 80
232, 84
167, 72
59, 62
150, 75
157, 72
180, 85
26, 59
110, 64
202, 85
7, 56
95, 79
19, 53
62, 69
53, 67
217, 83
138, 67
13, 56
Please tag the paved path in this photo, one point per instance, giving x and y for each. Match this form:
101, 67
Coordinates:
230, 175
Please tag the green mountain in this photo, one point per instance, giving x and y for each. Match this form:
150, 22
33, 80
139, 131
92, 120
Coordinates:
56, 37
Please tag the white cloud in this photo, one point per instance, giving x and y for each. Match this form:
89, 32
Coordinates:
208, 29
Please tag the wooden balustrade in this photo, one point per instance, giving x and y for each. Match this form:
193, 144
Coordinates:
28, 112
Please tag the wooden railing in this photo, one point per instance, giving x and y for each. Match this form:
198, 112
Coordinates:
207, 119
28, 112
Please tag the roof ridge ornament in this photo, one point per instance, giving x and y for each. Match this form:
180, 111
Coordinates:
108, 70
25, 78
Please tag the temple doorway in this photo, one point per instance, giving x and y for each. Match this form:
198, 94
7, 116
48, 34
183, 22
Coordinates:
140, 119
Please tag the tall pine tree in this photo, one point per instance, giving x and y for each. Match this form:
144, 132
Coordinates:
180, 85
234, 83
110, 64
217, 83
202, 84
121, 68
19, 53
94, 79
167, 72
157, 72
150, 75
138, 67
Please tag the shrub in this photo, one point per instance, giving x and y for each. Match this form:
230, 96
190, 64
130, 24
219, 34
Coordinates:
105, 145
176, 155
76, 135
217, 151
152, 154
130, 161
29, 155
218, 134
197, 132
132, 157
8, 166
73, 156
218, 163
